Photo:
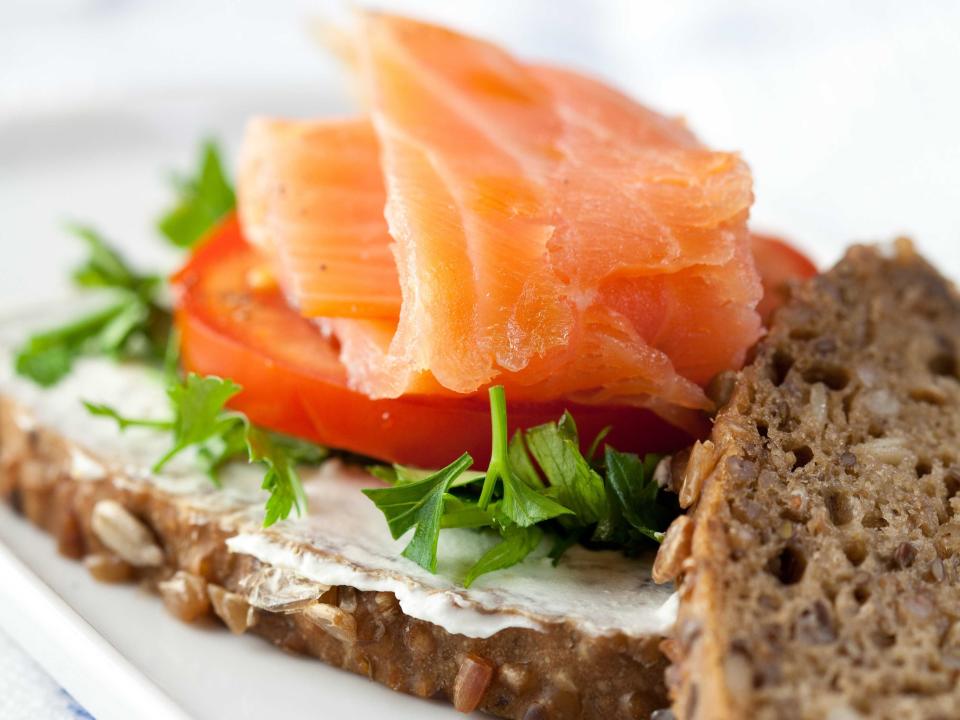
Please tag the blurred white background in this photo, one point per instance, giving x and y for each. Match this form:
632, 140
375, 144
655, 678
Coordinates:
848, 112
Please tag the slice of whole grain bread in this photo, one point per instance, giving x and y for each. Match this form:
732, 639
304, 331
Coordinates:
820, 562
560, 673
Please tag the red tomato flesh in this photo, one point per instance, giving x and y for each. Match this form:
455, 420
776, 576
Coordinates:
293, 381
778, 263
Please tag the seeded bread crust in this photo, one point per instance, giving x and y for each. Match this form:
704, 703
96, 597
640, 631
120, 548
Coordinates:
820, 562
517, 673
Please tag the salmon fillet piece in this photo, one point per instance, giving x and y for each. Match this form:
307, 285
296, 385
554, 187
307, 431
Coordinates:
541, 230
312, 197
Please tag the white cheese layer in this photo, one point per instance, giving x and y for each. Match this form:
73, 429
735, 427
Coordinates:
344, 539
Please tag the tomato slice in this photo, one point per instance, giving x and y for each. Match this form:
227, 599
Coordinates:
293, 381
778, 263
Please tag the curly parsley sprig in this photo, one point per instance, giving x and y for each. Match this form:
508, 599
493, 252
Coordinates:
136, 324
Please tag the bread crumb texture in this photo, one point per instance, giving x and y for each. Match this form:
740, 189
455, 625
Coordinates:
822, 580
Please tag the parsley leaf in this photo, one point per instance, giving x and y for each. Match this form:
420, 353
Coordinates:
46, 366
517, 543
199, 414
106, 268
133, 326
138, 326
125, 330
200, 420
636, 495
47, 356
300, 452
125, 422
466, 513
521, 463
555, 447
595, 445
419, 503
522, 503
403, 475
563, 542
202, 200
281, 481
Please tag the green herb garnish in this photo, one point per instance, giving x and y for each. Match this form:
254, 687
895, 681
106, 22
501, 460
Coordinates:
201, 421
633, 493
524, 501
537, 483
421, 504
133, 325
517, 543
202, 200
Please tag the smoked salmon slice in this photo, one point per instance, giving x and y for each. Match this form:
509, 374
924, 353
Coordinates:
313, 197
499, 222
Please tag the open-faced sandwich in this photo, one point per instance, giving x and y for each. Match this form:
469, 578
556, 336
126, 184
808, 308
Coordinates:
476, 349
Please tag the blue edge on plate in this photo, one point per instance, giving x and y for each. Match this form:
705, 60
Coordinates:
75, 708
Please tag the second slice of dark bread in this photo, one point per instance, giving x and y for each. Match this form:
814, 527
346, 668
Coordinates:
820, 562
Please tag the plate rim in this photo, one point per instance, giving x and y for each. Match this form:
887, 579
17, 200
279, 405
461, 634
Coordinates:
67, 647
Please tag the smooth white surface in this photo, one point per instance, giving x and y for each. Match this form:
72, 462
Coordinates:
50, 629
350, 546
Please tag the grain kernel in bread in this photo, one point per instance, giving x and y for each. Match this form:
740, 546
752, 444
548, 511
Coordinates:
277, 590
420, 640
674, 549
825, 543
237, 614
108, 568
185, 595
197, 558
515, 676
699, 465
333, 621
63, 523
473, 679
36, 487
125, 535
347, 599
